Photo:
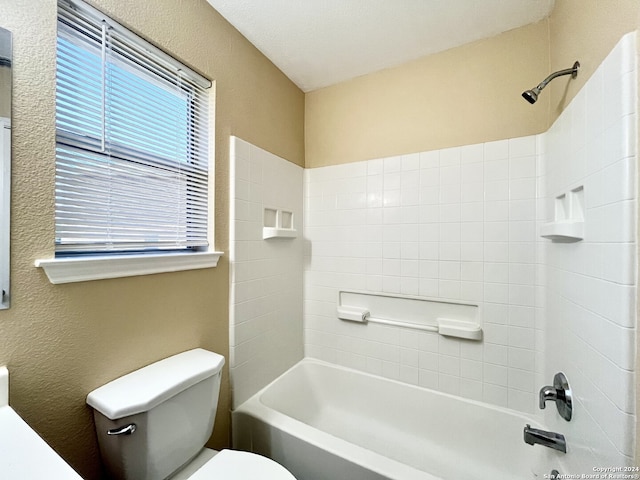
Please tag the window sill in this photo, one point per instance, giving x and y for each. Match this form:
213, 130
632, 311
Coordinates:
69, 270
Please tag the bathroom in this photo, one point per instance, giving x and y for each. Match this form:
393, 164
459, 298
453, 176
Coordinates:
62, 341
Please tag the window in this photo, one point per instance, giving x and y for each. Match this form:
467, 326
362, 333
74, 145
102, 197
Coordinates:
132, 173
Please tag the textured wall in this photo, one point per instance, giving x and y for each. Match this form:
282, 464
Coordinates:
60, 342
466, 95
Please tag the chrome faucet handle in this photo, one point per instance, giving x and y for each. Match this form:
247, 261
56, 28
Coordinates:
547, 393
559, 393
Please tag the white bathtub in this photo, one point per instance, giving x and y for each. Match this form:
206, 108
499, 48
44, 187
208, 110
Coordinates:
325, 422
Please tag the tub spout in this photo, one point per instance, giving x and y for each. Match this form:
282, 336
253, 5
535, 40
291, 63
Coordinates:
542, 437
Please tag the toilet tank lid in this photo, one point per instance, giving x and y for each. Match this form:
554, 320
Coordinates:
143, 389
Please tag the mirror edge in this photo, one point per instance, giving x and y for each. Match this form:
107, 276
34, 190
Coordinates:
5, 182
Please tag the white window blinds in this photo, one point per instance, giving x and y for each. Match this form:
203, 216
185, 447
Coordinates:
132, 141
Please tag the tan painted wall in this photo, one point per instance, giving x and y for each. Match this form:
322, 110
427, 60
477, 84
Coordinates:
468, 94
465, 95
60, 342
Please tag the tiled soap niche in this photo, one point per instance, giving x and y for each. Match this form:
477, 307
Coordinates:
278, 223
568, 217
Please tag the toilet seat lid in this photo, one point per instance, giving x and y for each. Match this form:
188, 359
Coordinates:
236, 465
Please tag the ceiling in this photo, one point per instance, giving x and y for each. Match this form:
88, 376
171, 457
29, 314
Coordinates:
317, 43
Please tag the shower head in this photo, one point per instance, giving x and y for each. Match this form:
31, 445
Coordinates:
531, 96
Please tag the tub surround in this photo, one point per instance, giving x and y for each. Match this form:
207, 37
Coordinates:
587, 295
453, 225
266, 271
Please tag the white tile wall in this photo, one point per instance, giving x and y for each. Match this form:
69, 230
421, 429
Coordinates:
591, 286
456, 224
266, 275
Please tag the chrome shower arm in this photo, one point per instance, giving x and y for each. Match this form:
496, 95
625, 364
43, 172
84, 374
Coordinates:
573, 71
531, 96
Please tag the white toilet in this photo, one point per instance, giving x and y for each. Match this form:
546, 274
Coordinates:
153, 423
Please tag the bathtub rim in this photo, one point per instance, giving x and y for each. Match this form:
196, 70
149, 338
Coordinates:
361, 456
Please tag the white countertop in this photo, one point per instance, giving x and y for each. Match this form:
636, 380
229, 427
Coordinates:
23, 454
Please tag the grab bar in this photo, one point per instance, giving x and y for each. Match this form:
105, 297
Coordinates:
445, 326
396, 323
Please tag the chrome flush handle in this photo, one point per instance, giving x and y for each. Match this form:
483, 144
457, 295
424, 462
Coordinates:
126, 430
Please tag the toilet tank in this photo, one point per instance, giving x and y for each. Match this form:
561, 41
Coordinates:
172, 404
